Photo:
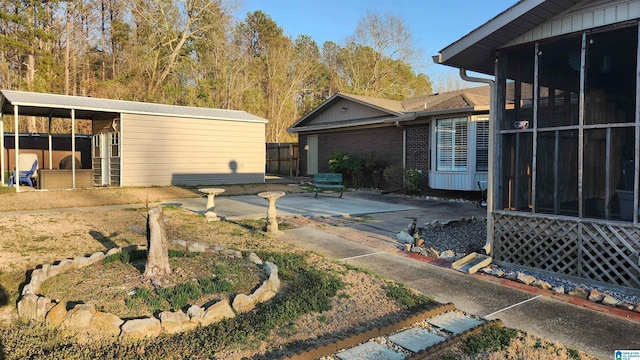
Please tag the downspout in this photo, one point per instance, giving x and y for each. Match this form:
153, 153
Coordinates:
488, 247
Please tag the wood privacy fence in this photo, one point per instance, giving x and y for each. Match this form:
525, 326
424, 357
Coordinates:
282, 159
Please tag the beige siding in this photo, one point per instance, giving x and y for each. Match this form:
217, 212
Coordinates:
181, 151
588, 15
353, 110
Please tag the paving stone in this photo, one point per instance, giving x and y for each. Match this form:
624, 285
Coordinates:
454, 322
370, 351
416, 339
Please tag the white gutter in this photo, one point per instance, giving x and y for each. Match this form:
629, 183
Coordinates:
488, 247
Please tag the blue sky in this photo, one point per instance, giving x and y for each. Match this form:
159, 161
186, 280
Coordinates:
434, 23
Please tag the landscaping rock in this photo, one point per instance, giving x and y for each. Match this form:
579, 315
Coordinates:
404, 237
579, 292
255, 259
525, 279
105, 324
263, 293
181, 243
174, 322
234, 253
27, 306
609, 300
113, 251
542, 284
596, 296
432, 252
217, 312
141, 328
43, 305
558, 289
197, 247
219, 248
625, 306
195, 313
270, 268
56, 315
79, 317
448, 255
81, 261
95, 257
243, 303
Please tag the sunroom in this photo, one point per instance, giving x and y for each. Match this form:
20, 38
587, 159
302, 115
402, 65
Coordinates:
566, 130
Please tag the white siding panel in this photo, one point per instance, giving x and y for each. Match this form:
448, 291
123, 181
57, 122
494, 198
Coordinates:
183, 151
587, 15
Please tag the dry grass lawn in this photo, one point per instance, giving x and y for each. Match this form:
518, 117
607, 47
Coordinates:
29, 238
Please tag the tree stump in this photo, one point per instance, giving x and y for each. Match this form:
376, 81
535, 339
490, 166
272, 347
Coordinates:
157, 246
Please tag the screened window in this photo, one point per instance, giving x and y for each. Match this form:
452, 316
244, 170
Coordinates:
583, 128
451, 135
482, 145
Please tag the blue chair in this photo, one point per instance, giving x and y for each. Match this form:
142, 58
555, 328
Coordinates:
25, 176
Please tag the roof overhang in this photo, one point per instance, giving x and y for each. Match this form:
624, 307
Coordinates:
476, 51
60, 106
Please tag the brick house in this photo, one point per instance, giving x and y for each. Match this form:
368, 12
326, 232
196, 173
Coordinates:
444, 136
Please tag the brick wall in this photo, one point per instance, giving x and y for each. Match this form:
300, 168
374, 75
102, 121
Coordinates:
418, 154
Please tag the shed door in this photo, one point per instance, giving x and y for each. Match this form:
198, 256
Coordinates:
312, 154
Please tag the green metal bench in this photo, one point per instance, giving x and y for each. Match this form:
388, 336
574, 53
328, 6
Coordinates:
327, 181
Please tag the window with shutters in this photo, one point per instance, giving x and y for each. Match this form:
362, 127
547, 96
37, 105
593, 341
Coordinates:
482, 144
451, 137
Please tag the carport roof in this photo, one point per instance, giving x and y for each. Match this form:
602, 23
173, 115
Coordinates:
42, 104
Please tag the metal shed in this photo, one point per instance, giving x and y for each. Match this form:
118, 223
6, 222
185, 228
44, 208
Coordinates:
146, 144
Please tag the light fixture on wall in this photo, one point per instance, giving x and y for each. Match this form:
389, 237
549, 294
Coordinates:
306, 147
344, 108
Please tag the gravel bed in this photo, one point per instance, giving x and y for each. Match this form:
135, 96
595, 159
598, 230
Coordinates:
468, 236
461, 237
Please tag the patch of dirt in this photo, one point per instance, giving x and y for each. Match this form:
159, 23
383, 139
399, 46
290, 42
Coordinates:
56, 199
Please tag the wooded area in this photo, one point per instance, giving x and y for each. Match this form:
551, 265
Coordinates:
195, 53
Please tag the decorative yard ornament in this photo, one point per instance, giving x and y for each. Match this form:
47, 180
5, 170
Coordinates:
157, 264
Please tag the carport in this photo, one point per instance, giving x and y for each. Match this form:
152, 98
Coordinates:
146, 144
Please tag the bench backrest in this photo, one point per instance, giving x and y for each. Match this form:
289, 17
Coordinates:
327, 178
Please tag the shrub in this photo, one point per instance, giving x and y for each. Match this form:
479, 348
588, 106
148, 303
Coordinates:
412, 181
350, 166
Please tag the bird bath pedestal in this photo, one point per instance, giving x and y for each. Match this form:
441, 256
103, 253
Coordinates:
211, 194
272, 221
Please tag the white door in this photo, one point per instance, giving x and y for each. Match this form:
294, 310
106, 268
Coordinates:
312, 154
101, 159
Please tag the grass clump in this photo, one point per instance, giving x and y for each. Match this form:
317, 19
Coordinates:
406, 297
492, 338
178, 297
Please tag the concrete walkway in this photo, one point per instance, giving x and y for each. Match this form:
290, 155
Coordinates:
369, 245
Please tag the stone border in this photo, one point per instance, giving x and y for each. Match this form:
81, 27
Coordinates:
87, 321
365, 335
